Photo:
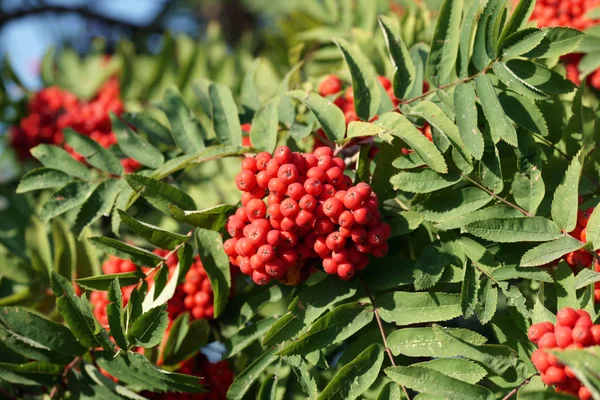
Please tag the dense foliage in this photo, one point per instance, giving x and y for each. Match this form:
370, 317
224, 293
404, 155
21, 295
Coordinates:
387, 202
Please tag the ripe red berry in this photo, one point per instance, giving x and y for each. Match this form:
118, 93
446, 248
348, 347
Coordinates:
583, 216
256, 209
335, 241
330, 85
308, 202
330, 266
323, 226
323, 151
352, 200
249, 164
266, 251
362, 215
288, 256
328, 191
244, 247
346, 219
563, 335
539, 358
277, 187
375, 236
547, 341
380, 251
288, 240
262, 160
582, 335
359, 234
287, 173
305, 219
595, 331
555, 375
272, 167
260, 278
282, 154
289, 208
257, 235
332, 207
346, 271
235, 227
313, 186
229, 247
364, 189
567, 317
584, 393
245, 180
316, 173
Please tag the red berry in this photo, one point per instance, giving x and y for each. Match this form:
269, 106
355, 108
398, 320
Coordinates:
308, 202
346, 271
287, 173
547, 341
563, 335
266, 252
346, 219
262, 159
582, 335
330, 85
313, 186
256, 209
255, 234
229, 247
245, 180
324, 162
539, 358
364, 189
323, 151
277, 187
273, 211
567, 317
359, 234
335, 241
288, 224
282, 154
362, 215
289, 207
235, 227
275, 268
242, 214
323, 226
263, 223
272, 167
555, 375
584, 216
333, 207
375, 236
595, 331
260, 278
584, 393
249, 164
305, 219
288, 240
380, 251
257, 263
262, 179
330, 266
352, 200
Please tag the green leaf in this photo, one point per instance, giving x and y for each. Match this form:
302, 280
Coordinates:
65, 257
401, 127
114, 311
77, 313
153, 234
335, 326
330, 117
148, 330
469, 289
134, 146
466, 119
423, 342
444, 43
521, 42
498, 211
249, 98
457, 368
57, 158
358, 129
565, 286
36, 337
593, 228
480, 58
500, 126
585, 364
425, 380
154, 129
42, 178
364, 81
263, 132
550, 251
93, 152
268, 388
423, 181
185, 338
390, 391
497, 358
186, 130
564, 203
117, 248
38, 248
306, 376
518, 19
135, 370
160, 194
471, 15
216, 264
405, 308
439, 120
557, 41
97, 205
30, 374
533, 229
515, 83
249, 308
70, 196
404, 68
311, 303
540, 77
430, 267
246, 336
245, 379
103, 282
586, 277
226, 122
356, 376
524, 112
443, 206
487, 302
212, 218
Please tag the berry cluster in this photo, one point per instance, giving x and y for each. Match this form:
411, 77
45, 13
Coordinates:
216, 376
312, 212
580, 258
574, 329
571, 13
52, 109
194, 295
332, 85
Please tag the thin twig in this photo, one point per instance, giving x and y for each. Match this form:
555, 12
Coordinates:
494, 195
380, 324
68, 368
515, 390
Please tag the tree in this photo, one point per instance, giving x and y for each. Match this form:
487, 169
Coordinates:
409, 211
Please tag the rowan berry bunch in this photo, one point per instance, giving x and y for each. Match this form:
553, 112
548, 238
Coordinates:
53, 109
216, 376
580, 258
312, 213
574, 329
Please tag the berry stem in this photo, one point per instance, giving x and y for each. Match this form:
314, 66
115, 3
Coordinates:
515, 390
70, 366
380, 324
